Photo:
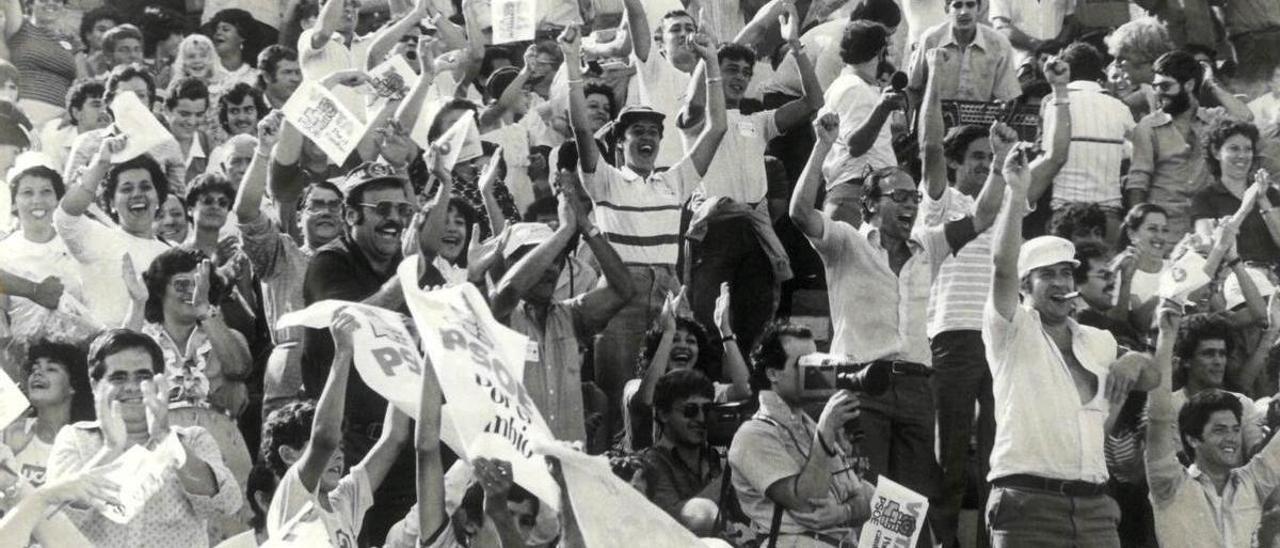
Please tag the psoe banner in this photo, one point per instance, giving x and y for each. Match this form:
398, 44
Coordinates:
479, 364
897, 514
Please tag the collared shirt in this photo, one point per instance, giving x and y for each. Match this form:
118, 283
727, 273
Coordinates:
172, 517
737, 171
957, 296
1100, 127
1042, 429
281, 265
1252, 422
640, 216
99, 249
1189, 511
661, 85
875, 313
774, 445
983, 70
1039, 19
168, 154
188, 368
1168, 167
553, 359
854, 99
670, 481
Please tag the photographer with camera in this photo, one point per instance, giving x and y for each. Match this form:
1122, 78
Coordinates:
792, 476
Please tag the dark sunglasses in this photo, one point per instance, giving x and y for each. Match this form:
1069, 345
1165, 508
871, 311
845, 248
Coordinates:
384, 209
691, 410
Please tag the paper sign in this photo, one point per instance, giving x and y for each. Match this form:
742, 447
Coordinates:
1182, 277
140, 474
385, 355
513, 20
134, 119
897, 515
303, 531
596, 495
321, 117
464, 140
12, 401
480, 365
391, 80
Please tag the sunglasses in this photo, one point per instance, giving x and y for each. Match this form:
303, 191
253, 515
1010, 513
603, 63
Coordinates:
691, 410
324, 205
220, 201
384, 209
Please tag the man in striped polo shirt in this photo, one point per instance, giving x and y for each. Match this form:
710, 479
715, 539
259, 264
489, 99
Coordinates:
957, 296
638, 207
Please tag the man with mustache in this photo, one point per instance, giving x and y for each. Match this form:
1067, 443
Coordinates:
240, 108
1168, 166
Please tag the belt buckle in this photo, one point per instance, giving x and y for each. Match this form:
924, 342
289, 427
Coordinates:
898, 367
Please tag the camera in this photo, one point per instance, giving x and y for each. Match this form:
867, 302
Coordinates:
821, 375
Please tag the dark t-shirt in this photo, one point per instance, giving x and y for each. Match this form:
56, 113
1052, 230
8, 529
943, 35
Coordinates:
1254, 242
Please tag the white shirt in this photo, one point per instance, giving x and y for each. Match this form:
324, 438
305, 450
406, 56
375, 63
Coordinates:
1100, 129
876, 314
640, 216
56, 139
1039, 19
333, 57
100, 250
662, 86
1266, 109
1042, 429
348, 503
854, 99
737, 171
821, 44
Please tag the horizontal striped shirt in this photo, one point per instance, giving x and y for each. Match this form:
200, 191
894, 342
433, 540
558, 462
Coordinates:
640, 216
45, 62
959, 293
1100, 127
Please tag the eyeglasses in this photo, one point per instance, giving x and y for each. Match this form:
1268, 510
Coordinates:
902, 196
324, 205
121, 377
957, 5
211, 200
691, 410
384, 209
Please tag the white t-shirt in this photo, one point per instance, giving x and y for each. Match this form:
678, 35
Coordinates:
854, 99
661, 86
333, 57
737, 171
347, 504
100, 249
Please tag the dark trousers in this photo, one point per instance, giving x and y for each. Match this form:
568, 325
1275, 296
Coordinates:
961, 378
899, 428
731, 253
1019, 518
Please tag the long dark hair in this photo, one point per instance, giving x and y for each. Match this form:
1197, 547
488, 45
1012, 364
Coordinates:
72, 360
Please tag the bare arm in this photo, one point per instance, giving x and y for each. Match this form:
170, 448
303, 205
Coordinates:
1233, 105
528, 271
708, 142
1057, 127
801, 210
254, 184
13, 18
80, 195
1008, 242
1160, 441
987, 207
796, 492
387, 36
864, 137
638, 29
1017, 38
588, 153
429, 237
932, 129
326, 426
794, 113
327, 22
395, 431
430, 484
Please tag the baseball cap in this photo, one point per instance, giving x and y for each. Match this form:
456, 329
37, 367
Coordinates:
366, 173
631, 114
1045, 251
524, 235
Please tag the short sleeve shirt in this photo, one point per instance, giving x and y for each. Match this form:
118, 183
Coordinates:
661, 85
853, 99
347, 505
640, 216
100, 250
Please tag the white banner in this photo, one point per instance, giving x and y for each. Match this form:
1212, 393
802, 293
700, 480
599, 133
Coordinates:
321, 117
479, 364
464, 140
897, 515
134, 119
514, 20
596, 495
385, 354
140, 475
390, 81
1184, 276
13, 403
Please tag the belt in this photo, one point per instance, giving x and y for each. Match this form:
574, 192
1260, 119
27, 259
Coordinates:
907, 369
1061, 487
820, 537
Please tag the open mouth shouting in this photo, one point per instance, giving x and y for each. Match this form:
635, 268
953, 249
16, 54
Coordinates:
388, 233
681, 356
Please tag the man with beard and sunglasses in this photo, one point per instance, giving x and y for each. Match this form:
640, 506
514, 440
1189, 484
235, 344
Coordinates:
1168, 165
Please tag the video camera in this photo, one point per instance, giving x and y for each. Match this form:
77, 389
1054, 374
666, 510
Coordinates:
821, 375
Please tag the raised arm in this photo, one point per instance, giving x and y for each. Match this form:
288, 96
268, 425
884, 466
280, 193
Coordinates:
801, 210
327, 23
1161, 443
615, 272
1002, 139
528, 271
430, 484
13, 18
588, 153
254, 184
708, 142
80, 194
433, 226
326, 426
1057, 126
1008, 243
932, 129
387, 36
638, 29
865, 135
795, 112
1235, 107
395, 431
227, 345
662, 356
735, 367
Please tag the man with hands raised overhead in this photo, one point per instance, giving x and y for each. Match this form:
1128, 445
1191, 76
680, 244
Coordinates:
131, 397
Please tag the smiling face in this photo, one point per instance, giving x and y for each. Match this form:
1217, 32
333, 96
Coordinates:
1098, 289
196, 60
126, 51
185, 117
210, 210
1171, 96
598, 113
227, 39
124, 372
94, 37
1208, 364
238, 160
1047, 287
287, 78
242, 117
963, 14
49, 383
171, 221
897, 206
35, 201
1220, 442
676, 32
685, 424
737, 75
1151, 237
1236, 157
684, 350
455, 235
92, 115
972, 172
378, 235
321, 216
640, 144
135, 201
178, 296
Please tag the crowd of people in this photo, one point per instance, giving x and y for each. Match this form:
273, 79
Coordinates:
974, 209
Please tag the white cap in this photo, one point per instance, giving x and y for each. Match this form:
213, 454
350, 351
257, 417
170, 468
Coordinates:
1045, 251
28, 160
524, 234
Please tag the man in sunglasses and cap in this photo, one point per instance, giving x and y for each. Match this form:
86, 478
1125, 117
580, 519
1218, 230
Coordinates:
1056, 384
878, 278
360, 265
